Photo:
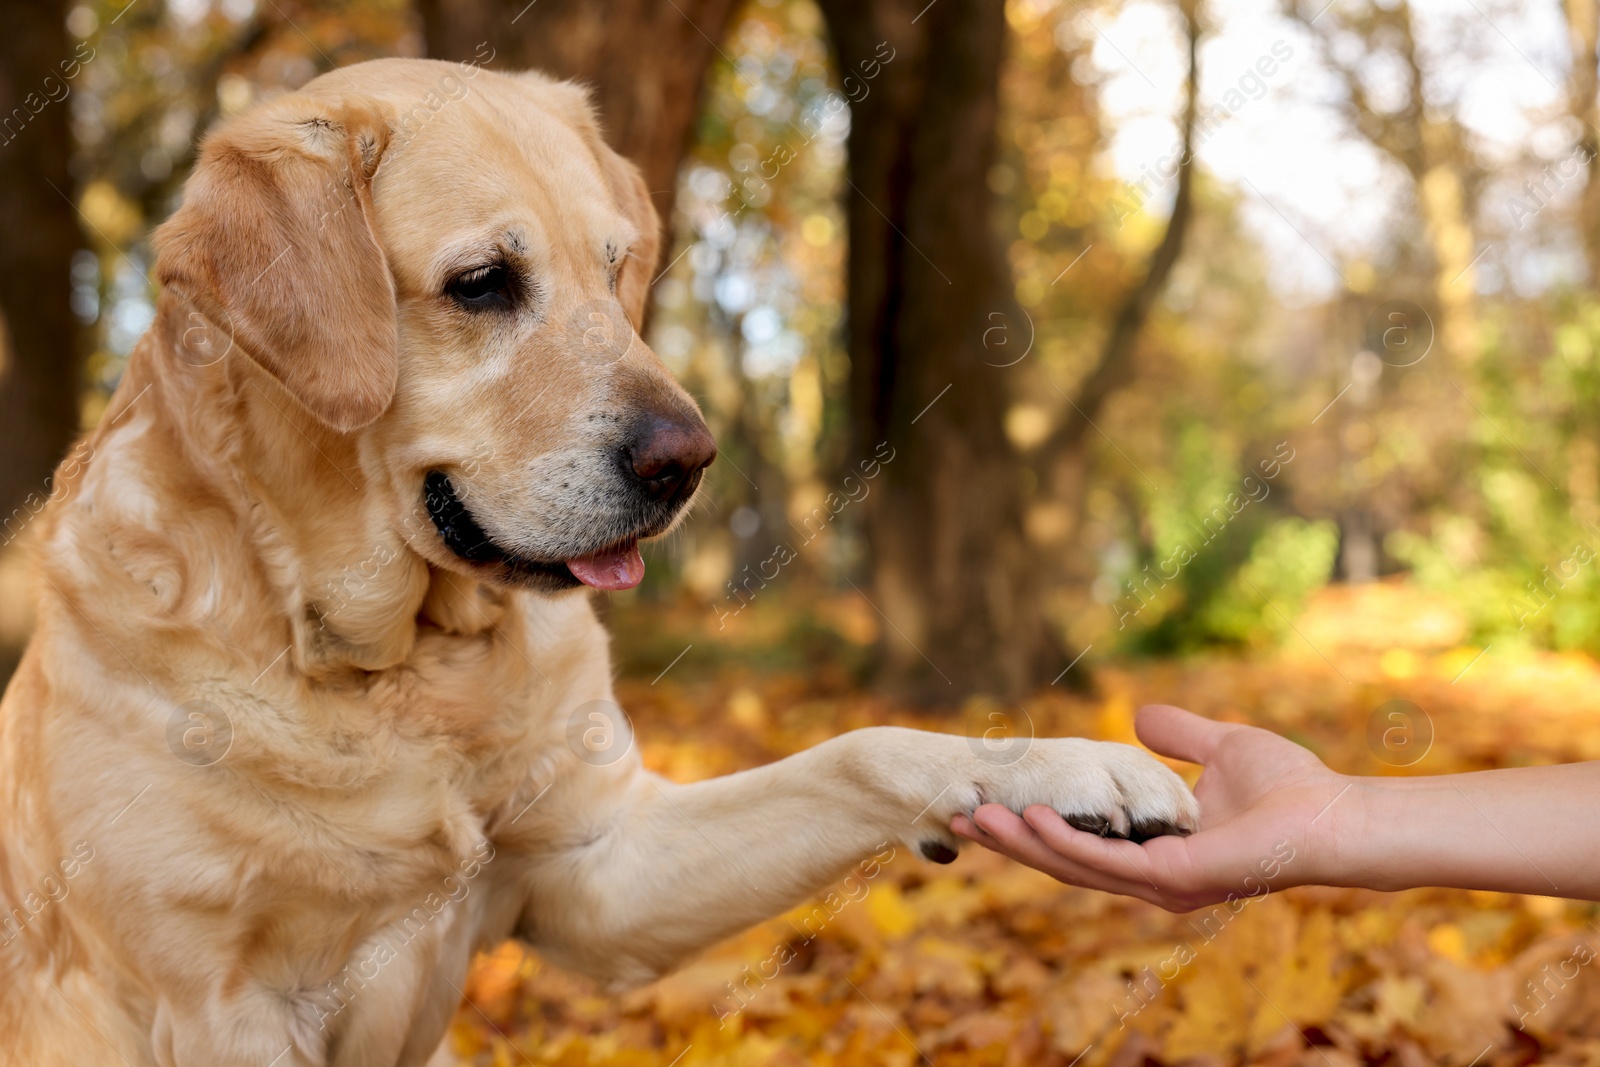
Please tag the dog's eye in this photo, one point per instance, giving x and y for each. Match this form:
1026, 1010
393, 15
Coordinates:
482, 288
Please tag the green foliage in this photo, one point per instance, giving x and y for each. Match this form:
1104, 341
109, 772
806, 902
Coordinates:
1514, 545
1290, 559
1226, 566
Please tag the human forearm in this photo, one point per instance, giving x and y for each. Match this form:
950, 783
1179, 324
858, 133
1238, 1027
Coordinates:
1272, 812
1523, 830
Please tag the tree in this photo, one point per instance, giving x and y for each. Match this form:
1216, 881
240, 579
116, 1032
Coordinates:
1114, 367
39, 373
1583, 104
930, 307
645, 61
1417, 124
927, 277
1426, 139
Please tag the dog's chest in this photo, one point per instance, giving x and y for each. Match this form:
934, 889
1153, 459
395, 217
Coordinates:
382, 873
403, 785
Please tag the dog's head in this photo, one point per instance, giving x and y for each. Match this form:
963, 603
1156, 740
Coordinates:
452, 265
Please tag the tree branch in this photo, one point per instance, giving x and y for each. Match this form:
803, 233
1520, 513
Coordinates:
1114, 367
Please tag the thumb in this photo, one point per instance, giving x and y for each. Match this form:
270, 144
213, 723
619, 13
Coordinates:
1178, 733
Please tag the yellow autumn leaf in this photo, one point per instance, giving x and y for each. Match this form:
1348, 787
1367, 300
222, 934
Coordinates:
1448, 941
889, 912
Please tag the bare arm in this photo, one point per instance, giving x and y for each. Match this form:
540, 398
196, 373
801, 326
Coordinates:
1273, 816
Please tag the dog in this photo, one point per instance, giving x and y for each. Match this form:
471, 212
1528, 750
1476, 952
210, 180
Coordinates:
316, 705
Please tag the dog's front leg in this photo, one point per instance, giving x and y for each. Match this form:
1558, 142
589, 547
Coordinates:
630, 886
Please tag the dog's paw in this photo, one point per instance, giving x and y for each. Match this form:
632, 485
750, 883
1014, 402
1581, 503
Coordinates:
1105, 788
1102, 787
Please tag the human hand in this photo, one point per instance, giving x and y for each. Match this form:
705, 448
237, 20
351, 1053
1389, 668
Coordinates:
1263, 802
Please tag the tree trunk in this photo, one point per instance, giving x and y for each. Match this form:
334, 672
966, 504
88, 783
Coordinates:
1448, 221
1583, 89
645, 61
929, 306
39, 375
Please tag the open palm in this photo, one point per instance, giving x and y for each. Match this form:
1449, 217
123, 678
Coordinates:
1262, 802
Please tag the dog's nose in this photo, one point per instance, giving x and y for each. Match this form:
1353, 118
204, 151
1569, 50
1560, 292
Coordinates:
668, 453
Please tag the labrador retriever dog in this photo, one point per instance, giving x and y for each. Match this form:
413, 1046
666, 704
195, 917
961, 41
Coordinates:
317, 704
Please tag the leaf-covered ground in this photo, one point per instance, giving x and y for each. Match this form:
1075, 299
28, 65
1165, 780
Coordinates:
984, 962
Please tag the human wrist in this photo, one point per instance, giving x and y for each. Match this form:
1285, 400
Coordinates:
1378, 839
1344, 841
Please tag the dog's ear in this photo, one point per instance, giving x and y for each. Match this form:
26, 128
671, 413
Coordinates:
274, 243
639, 269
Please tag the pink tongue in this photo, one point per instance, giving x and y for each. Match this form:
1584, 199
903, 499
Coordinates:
615, 568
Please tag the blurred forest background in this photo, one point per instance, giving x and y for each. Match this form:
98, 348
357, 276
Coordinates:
1063, 354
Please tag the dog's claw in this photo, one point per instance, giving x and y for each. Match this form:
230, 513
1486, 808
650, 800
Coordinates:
938, 852
1093, 824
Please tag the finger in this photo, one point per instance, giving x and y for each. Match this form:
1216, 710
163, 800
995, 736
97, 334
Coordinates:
1110, 856
1178, 733
962, 826
999, 822
1014, 838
